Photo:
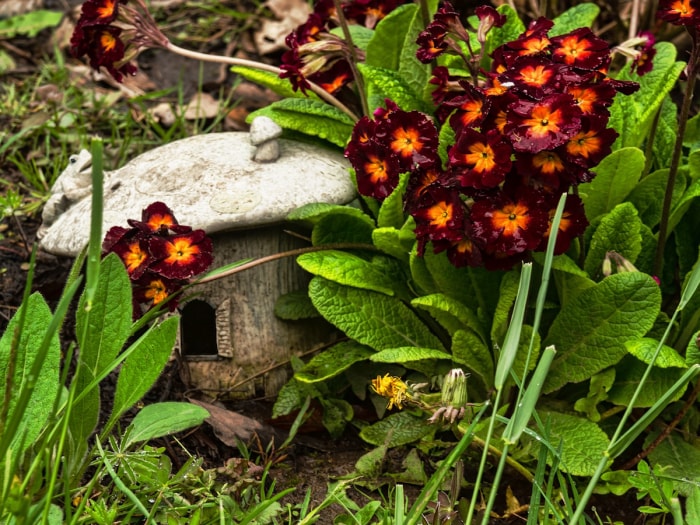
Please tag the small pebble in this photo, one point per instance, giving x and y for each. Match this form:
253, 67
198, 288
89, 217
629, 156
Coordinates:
267, 152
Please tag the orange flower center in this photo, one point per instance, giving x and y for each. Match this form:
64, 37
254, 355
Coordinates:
156, 291
534, 46
472, 111
682, 7
134, 257
543, 121
336, 84
376, 169
573, 48
583, 144
107, 41
535, 76
157, 220
481, 156
548, 163
107, 9
406, 141
511, 218
181, 251
440, 214
584, 98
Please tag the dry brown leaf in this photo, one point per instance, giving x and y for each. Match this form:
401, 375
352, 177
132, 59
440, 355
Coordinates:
230, 427
202, 105
290, 14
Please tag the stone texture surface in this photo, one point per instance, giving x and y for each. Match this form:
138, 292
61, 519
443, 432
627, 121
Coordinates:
210, 182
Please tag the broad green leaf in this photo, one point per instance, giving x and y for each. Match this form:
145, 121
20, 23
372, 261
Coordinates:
469, 350
413, 70
687, 235
648, 195
645, 347
332, 362
616, 176
682, 462
311, 117
679, 211
691, 137
281, 86
294, 306
143, 366
30, 23
389, 241
161, 419
361, 35
665, 134
391, 212
423, 281
619, 231
692, 505
342, 227
506, 298
384, 49
397, 429
46, 388
569, 278
590, 331
582, 15
629, 371
598, 389
292, 396
520, 358
349, 269
336, 415
311, 214
408, 354
384, 83
446, 138
371, 318
451, 314
371, 464
582, 442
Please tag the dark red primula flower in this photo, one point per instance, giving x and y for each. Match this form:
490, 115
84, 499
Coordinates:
592, 99
591, 144
181, 256
679, 12
644, 62
573, 223
581, 49
376, 169
439, 216
158, 219
533, 76
103, 46
470, 108
152, 289
411, 136
480, 161
99, 12
132, 248
431, 42
542, 125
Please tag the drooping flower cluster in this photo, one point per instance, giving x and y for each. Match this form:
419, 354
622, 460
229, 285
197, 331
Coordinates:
530, 129
317, 55
111, 33
160, 255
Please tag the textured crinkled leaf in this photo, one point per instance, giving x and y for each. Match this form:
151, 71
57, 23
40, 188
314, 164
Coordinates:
161, 419
332, 362
523, 345
143, 366
616, 176
570, 279
645, 347
590, 330
384, 49
687, 235
582, 15
292, 396
46, 387
666, 133
619, 231
506, 298
349, 269
336, 414
451, 314
408, 354
360, 34
679, 211
311, 117
682, 460
384, 83
423, 281
469, 350
371, 318
371, 463
389, 241
312, 213
629, 371
446, 139
340, 227
391, 212
598, 389
648, 195
270, 80
691, 137
692, 352
294, 306
582, 442
397, 429
411, 69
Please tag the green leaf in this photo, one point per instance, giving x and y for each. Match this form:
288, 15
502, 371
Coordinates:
582, 442
665, 134
384, 83
292, 396
161, 419
390, 241
629, 372
469, 350
384, 49
682, 460
46, 389
397, 429
336, 415
446, 138
294, 306
270, 80
582, 15
349, 269
616, 176
598, 390
451, 314
342, 227
144, 364
361, 35
311, 117
311, 214
408, 354
371, 463
648, 195
506, 298
498, 36
391, 212
645, 347
590, 331
371, 318
619, 231
679, 211
413, 70
332, 362
29, 24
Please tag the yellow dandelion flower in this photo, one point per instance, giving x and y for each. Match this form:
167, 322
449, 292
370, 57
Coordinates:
393, 388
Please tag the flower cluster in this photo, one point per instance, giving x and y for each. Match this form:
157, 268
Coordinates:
317, 55
526, 131
160, 255
111, 33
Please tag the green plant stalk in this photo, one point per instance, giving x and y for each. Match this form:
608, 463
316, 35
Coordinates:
322, 93
353, 61
676, 158
94, 251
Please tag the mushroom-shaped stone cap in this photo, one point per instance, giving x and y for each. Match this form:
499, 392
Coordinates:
210, 182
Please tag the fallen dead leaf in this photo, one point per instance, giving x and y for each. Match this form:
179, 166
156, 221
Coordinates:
202, 105
230, 427
290, 14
